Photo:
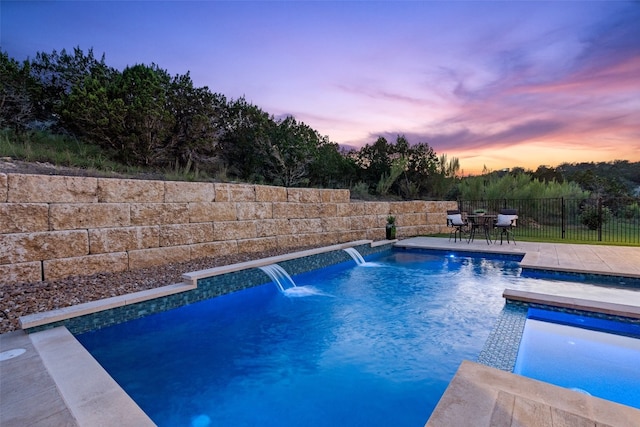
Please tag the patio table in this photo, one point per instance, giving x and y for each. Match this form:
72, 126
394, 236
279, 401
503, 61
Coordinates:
481, 221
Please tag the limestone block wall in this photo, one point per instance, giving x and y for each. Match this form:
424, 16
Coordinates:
53, 227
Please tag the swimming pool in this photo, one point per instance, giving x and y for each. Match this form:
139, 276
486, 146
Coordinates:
371, 345
591, 355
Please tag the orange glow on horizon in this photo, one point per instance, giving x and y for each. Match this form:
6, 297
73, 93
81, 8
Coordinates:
530, 156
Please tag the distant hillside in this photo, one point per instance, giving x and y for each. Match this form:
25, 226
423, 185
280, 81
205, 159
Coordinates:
619, 176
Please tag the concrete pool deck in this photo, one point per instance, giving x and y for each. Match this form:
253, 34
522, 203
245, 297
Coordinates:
56, 382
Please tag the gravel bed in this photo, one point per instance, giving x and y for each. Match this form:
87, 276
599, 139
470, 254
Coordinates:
33, 297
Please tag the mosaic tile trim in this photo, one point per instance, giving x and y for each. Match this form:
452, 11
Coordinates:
209, 287
501, 348
569, 276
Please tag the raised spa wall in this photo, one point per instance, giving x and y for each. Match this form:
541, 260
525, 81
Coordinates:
53, 227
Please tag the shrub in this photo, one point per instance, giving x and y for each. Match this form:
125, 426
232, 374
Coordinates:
592, 219
360, 191
632, 211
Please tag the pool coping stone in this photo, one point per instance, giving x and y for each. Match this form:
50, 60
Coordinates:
93, 397
573, 303
492, 397
65, 313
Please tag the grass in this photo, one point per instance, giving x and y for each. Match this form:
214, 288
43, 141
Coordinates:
55, 149
617, 232
552, 234
61, 150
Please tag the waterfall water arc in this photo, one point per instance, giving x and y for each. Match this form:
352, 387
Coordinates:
286, 284
280, 277
353, 252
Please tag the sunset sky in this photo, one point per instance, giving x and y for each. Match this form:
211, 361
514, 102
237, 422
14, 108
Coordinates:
496, 84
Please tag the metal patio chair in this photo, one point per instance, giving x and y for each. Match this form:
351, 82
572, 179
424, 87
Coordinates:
505, 222
457, 224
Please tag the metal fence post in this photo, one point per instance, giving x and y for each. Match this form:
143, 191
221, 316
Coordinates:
563, 215
599, 219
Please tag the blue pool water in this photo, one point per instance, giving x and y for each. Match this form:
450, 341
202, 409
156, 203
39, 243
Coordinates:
371, 345
594, 356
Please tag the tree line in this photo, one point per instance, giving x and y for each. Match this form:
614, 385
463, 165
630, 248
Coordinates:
143, 116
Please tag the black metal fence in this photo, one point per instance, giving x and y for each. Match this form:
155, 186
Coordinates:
597, 220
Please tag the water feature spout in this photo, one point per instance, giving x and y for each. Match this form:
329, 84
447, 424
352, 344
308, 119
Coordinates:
279, 276
355, 255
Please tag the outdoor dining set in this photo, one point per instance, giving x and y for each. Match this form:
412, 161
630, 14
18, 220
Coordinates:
479, 221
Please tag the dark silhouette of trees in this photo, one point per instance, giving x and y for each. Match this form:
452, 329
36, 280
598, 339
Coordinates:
143, 116
332, 168
16, 107
548, 174
410, 171
57, 74
293, 147
615, 179
245, 141
198, 125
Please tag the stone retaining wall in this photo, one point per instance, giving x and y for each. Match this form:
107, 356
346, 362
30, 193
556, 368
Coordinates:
58, 226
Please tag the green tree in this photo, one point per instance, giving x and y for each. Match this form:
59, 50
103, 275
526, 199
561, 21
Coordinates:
375, 161
548, 174
197, 125
422, 168
609, 179
332, 168
148, 122
419, 167
142, 115
57, 74
126, 112
91, 112
16, 84
246, 140
293, 148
